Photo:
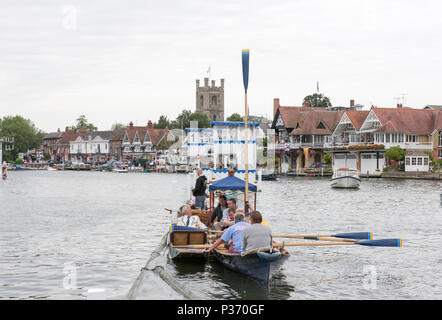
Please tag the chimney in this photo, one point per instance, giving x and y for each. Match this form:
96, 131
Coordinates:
149, 124
352, 103
213, 83
222, 83
67, 129
197, 83
82, 130
399, 105
58, 130
131, 124
206, 82
275, 106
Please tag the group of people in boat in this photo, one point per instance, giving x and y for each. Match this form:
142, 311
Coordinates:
243, 230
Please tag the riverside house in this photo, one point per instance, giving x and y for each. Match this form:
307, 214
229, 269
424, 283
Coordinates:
92, 146
49, 142
364, 147
115, 142
62, 145
302, 134
142, 142
355, 138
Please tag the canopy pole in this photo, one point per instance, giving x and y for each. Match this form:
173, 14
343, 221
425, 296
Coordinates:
254, 203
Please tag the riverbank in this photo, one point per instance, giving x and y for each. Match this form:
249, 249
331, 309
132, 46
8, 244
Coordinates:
413, 175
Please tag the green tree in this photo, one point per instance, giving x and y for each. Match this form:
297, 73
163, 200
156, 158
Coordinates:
118, 126
82, 122
236, 117
203, 120
25, 134
186, 116
327, 158
317, 100
395, 153
162, 123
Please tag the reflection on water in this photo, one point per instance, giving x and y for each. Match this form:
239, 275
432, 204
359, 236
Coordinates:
66, 233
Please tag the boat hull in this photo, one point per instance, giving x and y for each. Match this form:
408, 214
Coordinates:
184, 237
345, 182
268, 177
252, 265
180, 253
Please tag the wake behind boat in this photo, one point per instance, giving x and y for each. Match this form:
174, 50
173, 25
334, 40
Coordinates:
345, 178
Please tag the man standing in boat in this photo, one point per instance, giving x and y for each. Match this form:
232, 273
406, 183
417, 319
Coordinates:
200, 190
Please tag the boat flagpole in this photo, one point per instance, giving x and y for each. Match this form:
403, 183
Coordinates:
245, 77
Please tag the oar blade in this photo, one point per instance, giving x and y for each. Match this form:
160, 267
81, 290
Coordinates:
381, 243
355, 235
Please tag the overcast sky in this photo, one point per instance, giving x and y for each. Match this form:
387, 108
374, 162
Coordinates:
136, 60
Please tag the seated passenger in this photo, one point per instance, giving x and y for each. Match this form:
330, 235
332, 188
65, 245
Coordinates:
220, 212
233, 233
190, 221
226, 222
258, 235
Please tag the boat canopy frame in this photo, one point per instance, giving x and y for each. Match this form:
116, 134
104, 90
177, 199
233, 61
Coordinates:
230, 184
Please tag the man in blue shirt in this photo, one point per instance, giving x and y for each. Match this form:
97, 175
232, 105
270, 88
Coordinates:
233, 233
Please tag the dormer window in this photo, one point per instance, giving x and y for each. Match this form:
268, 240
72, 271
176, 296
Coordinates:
320, 126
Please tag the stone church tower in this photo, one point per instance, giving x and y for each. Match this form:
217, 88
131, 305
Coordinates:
210, 99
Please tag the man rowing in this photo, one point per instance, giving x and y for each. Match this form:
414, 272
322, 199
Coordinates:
258, 235
234, 233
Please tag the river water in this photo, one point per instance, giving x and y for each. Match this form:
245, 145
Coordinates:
65, 235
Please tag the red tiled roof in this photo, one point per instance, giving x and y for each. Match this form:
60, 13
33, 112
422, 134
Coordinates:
312, 119
155, 135
357, 117
292, 115
66, 137
117, 135
407, 120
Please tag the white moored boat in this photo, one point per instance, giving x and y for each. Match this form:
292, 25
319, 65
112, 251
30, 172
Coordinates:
345, 178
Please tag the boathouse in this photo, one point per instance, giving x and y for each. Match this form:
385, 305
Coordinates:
417, 161
222, 147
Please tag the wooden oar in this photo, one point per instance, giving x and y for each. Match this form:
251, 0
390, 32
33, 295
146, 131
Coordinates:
374, 243
194, 246
216, 231
324, 239
353, 235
